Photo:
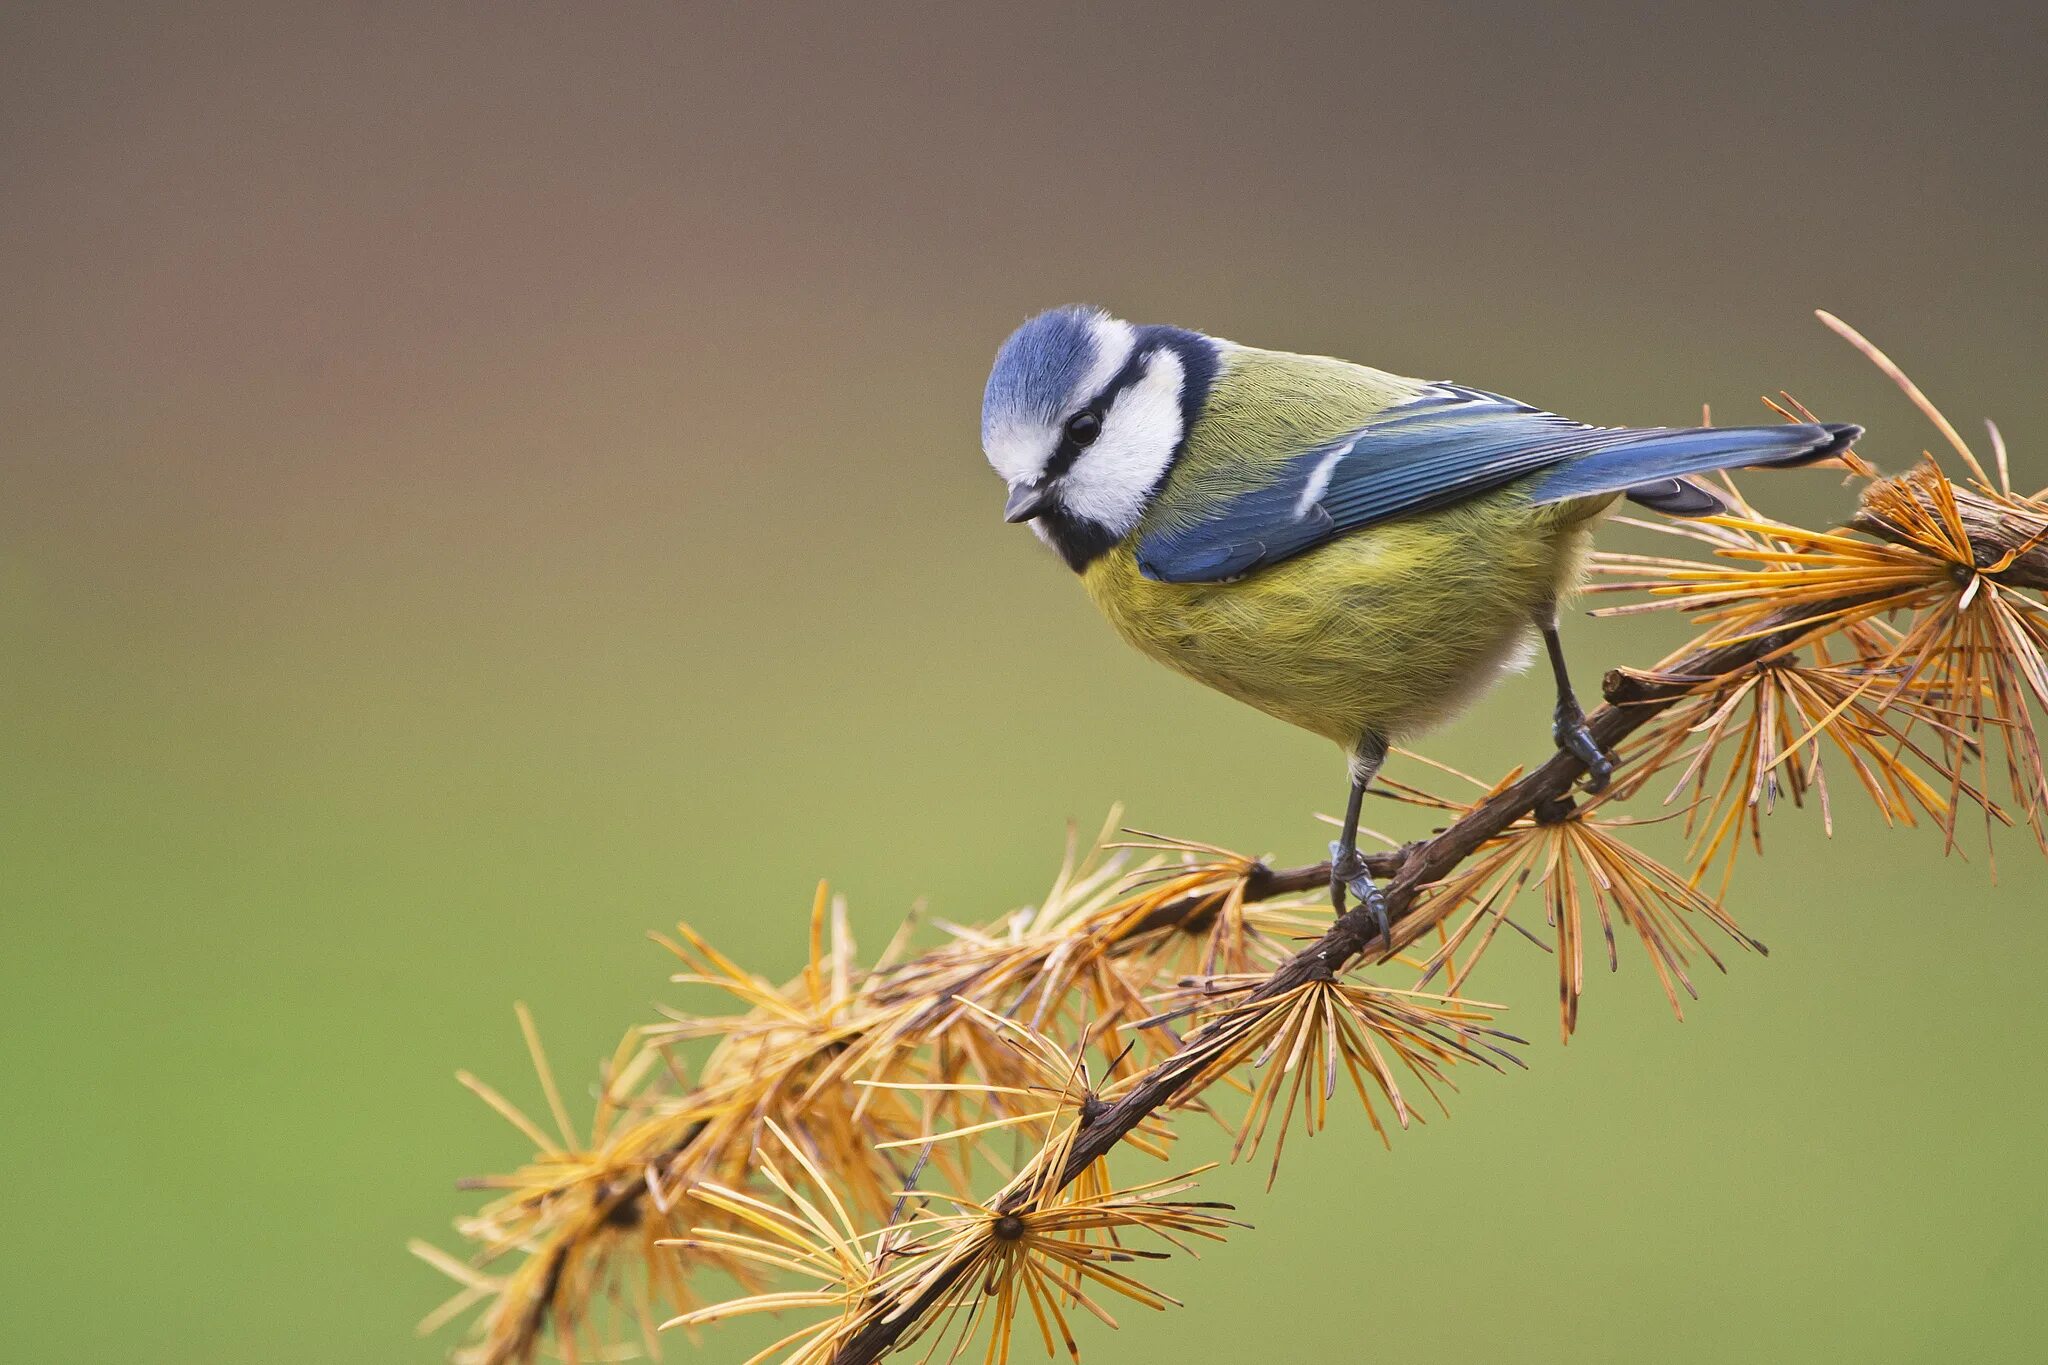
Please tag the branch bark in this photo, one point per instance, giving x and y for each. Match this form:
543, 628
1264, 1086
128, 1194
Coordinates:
1994, 528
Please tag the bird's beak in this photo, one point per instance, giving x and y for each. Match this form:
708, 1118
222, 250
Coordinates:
1027, 500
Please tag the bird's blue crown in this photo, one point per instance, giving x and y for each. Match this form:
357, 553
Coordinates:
1039, 367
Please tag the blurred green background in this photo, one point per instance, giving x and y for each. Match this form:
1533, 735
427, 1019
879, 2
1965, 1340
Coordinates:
485, 481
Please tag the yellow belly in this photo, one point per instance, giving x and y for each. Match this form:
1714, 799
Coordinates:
1385, 631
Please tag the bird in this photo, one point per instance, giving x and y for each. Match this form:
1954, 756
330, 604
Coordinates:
1351, 551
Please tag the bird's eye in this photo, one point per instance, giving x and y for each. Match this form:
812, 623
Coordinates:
1083, 428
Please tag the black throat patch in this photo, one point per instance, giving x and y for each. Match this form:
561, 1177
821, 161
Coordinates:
1079, 542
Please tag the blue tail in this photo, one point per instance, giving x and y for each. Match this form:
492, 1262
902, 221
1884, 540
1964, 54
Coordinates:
1652, 470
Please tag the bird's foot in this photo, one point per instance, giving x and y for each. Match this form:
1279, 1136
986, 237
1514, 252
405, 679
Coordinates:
1348, 873
1570, 731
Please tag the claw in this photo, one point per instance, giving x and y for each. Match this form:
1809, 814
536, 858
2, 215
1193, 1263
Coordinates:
1347, 873
1375, 905
1341, 872
1572, 736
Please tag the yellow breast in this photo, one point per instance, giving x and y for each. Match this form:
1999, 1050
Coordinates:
1387, 630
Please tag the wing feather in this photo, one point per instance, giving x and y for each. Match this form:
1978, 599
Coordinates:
1448, 444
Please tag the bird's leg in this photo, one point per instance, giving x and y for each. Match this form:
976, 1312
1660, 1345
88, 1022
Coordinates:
1568, 726
1347, 865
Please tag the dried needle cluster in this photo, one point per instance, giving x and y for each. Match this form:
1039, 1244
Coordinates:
813, 1151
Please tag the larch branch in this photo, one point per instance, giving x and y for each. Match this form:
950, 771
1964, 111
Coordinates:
1632, 700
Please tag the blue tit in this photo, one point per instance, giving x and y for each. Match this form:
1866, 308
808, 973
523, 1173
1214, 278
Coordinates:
1353, 552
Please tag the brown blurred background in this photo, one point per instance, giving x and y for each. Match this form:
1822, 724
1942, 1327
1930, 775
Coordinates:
482, 481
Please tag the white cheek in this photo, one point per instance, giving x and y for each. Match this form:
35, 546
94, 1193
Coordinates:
1114, 478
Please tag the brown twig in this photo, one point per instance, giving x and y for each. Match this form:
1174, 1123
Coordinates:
1991, 527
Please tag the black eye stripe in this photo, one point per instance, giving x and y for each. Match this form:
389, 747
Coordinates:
1069, 449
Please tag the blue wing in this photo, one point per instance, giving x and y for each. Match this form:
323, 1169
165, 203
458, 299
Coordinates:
1454, 443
